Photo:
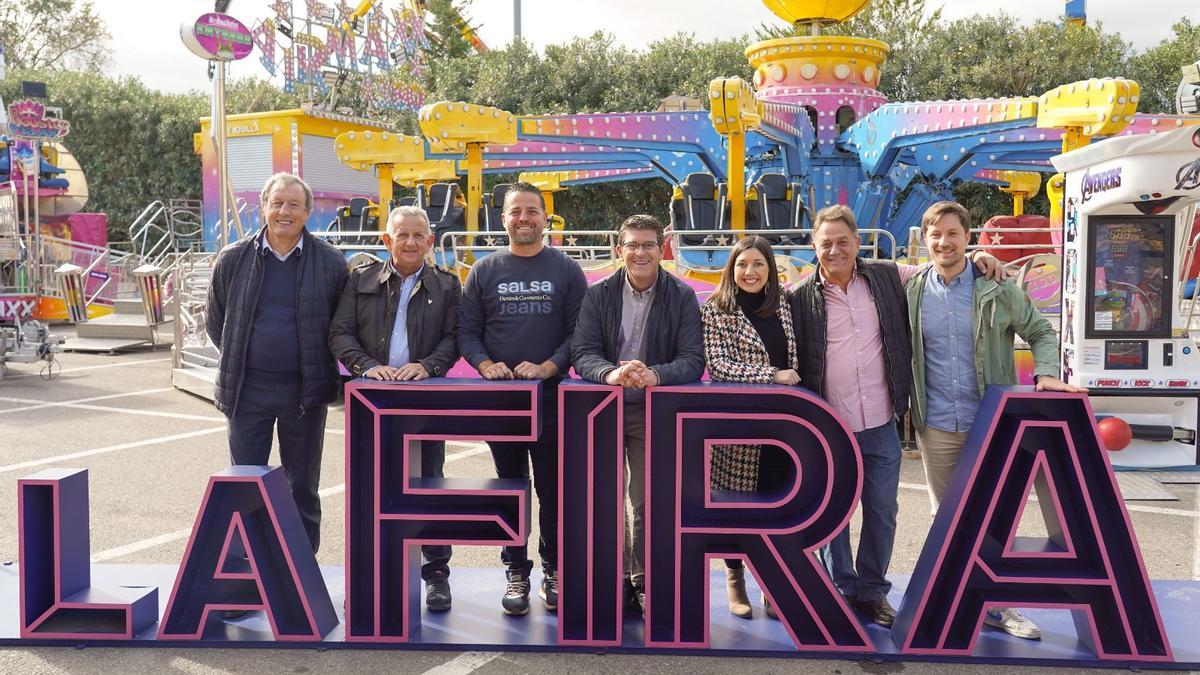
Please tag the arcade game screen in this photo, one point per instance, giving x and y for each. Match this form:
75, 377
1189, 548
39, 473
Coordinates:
1130, 292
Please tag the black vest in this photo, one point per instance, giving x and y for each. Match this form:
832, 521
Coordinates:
808, 314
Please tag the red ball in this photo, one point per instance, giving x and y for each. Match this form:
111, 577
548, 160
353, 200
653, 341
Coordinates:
1115, 433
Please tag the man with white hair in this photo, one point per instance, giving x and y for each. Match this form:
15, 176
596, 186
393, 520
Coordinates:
269, 306
397, 321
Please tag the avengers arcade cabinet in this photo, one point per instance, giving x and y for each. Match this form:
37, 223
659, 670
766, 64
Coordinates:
1129, 207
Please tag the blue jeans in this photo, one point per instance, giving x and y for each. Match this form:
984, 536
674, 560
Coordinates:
867, 580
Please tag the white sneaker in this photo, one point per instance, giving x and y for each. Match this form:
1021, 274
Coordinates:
1012, 622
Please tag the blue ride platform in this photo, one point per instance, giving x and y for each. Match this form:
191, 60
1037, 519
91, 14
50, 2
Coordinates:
477, 623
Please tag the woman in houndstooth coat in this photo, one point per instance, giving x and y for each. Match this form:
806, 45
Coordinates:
748, 337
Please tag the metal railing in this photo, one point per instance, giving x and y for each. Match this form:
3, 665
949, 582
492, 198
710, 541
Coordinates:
455, 245
190, 275
871, 241
917, 251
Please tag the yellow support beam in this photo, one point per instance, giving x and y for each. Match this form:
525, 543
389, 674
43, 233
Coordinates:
1022, 185
1095, 107
381, 151
463, 128
734, 112
429, 171
547, 182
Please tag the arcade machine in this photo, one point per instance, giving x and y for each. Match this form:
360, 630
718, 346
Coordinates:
1130, 319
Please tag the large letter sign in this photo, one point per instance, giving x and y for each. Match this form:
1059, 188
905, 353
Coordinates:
591, 522
973, 559
57, 596
249, 551
391, 510
776, 533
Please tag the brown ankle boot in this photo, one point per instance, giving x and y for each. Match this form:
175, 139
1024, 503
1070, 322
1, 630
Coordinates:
771, 614
739, 602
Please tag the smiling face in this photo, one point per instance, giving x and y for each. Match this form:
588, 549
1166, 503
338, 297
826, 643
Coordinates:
408, 241
641, 253
287, 211
524, 218
947, 242
837, 247
750, 271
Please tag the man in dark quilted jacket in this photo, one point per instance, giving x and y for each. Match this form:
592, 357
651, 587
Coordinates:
272, 297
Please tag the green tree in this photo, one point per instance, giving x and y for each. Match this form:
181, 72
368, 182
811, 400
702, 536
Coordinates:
53, 35
135, 144
446, 20
1157, 68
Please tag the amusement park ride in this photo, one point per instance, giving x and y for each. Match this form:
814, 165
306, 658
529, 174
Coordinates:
1116, 267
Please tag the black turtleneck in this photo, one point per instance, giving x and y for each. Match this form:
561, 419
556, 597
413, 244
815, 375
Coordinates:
769, 328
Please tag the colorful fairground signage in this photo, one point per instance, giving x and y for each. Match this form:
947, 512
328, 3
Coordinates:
248, 550
383, 49
217, 37
27, 121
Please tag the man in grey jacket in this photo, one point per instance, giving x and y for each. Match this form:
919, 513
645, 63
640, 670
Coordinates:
397, 321
269, 308
617, 343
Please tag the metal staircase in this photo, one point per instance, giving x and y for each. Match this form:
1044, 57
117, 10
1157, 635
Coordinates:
194, 357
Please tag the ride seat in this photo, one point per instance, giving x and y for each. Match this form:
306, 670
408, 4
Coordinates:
493, 207
698, 204
780, 207
445, 211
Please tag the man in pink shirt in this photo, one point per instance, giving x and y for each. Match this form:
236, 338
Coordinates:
855, 350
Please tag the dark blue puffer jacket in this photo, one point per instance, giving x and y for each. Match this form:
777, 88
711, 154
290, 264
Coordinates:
237, 279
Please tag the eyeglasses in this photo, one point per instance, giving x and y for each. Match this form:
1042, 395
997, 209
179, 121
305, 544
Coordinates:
646, 246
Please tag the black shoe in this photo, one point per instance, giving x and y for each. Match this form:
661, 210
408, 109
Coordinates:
437, 593
549, 590
516, 594
879, 611
235, 614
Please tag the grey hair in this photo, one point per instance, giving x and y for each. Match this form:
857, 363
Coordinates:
285, 179
401, 212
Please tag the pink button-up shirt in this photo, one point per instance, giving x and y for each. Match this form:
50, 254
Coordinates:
855, 378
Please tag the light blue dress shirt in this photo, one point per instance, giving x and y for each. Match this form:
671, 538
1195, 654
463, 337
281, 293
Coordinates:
951, 384
398, 347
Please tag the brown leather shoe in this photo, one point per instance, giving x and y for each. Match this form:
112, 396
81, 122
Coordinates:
879, 611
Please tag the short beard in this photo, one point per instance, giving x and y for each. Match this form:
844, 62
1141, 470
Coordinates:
526, 239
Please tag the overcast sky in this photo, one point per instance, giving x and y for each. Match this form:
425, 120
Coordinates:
146, 39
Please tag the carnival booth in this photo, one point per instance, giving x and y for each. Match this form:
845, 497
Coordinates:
300, 142
1129, 311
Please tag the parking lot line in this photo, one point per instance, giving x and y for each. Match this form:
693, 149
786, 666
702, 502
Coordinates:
112, 448
467, 662
96, 367
38, 405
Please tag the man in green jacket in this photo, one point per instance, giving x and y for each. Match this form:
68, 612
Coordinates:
963, 326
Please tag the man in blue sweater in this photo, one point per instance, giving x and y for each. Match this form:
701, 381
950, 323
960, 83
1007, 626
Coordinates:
518, 314
272, 297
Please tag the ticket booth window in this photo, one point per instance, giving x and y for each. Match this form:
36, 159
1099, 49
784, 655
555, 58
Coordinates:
1130, 276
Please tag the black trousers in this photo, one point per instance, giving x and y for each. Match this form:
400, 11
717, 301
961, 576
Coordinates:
512, 461
437, 557
271, 403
